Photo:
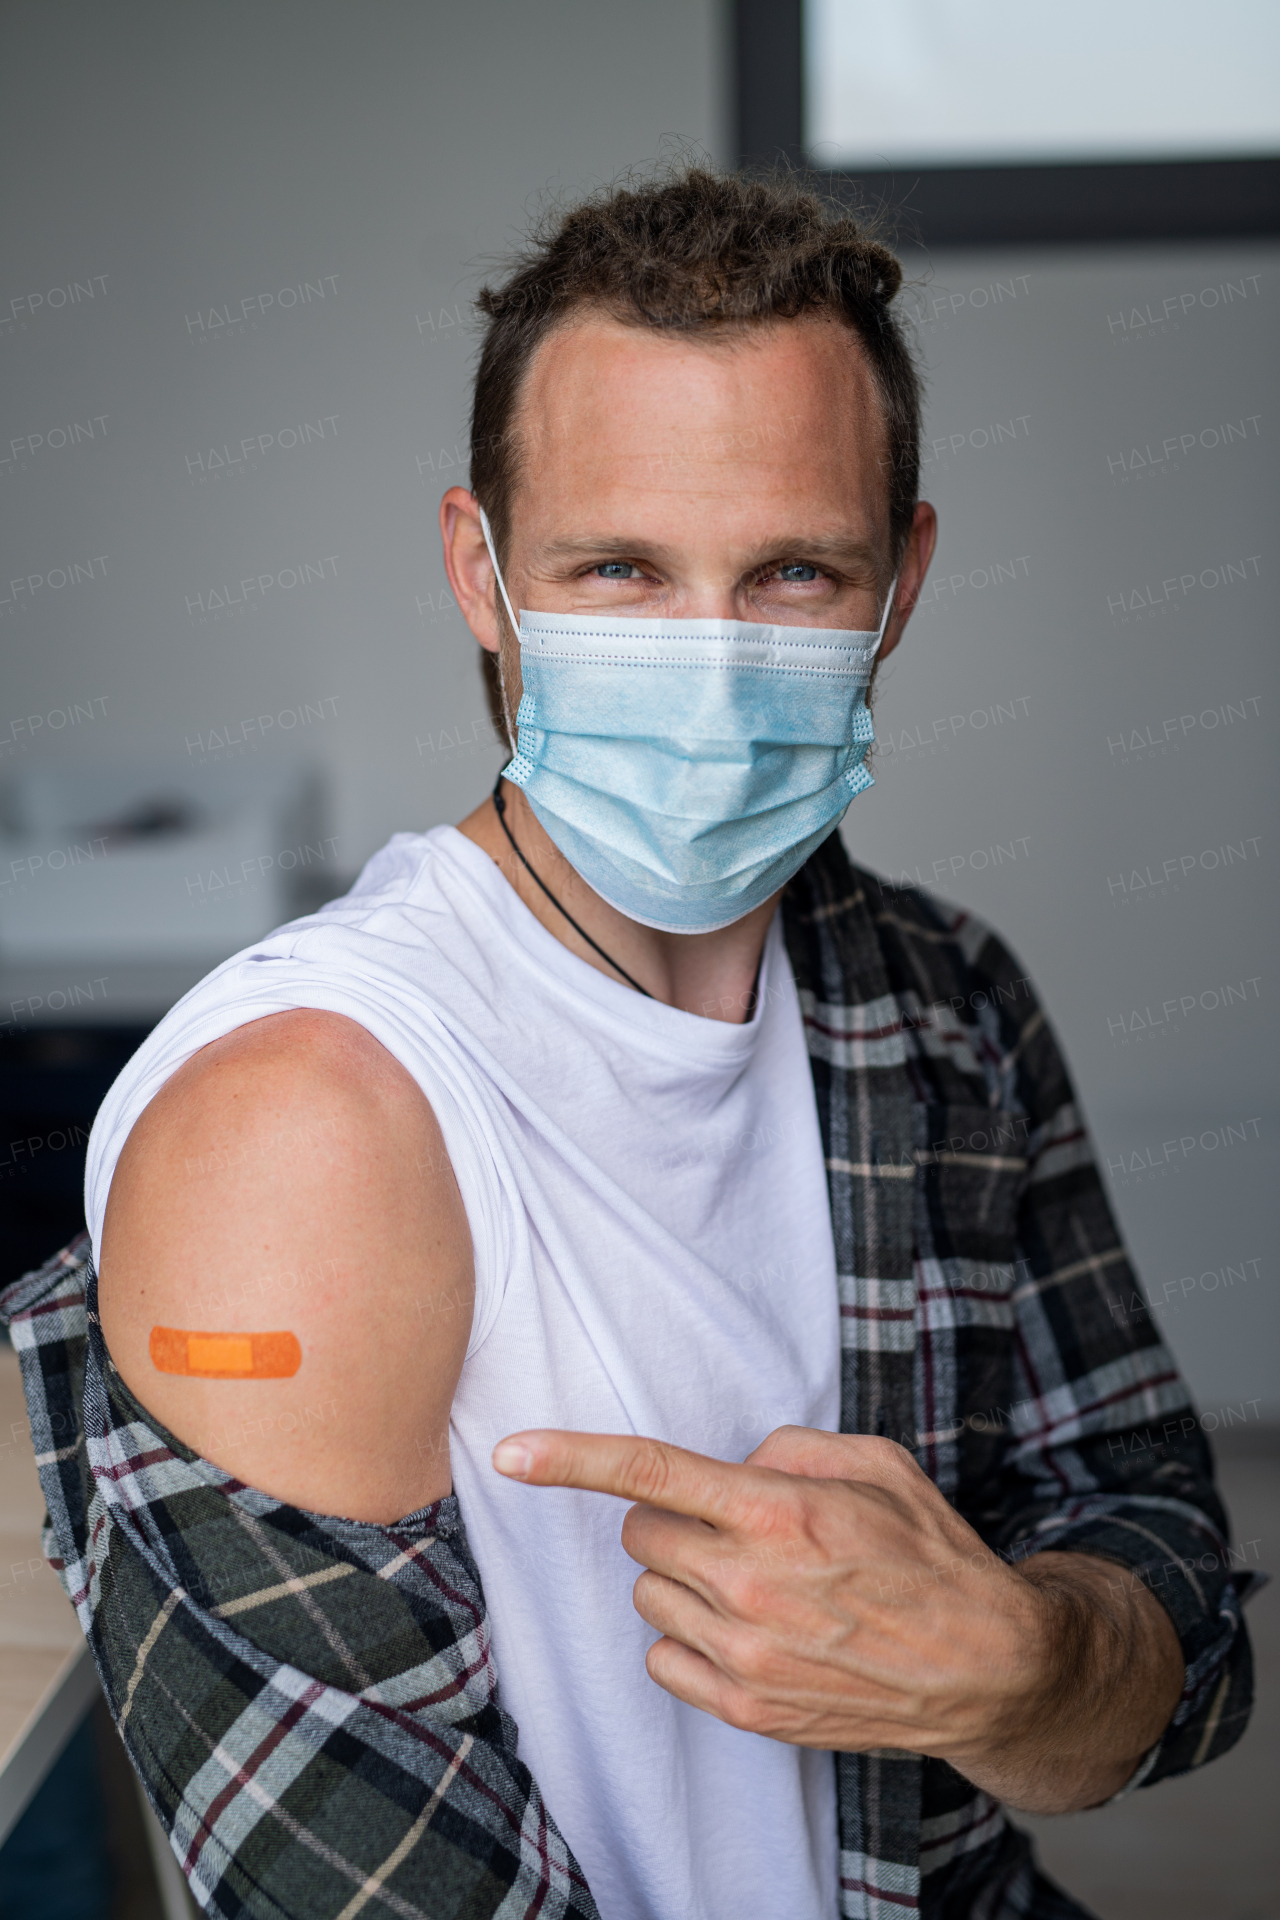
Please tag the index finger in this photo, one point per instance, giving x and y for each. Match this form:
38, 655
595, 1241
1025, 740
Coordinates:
632, 1467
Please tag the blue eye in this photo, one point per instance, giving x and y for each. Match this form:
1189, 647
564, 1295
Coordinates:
798, 570
616, 570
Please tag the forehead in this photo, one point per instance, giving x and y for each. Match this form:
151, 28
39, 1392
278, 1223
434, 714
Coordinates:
778, 411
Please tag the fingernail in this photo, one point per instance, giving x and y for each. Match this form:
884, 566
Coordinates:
511, 1458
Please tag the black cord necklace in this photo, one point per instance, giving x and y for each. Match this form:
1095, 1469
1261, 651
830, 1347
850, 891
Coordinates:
500, 807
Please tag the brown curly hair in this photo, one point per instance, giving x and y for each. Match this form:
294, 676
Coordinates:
694, 251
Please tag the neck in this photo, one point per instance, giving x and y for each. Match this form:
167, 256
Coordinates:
710, 974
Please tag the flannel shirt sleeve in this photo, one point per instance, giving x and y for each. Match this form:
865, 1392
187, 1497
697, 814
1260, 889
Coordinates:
310, 1703
1105, 1454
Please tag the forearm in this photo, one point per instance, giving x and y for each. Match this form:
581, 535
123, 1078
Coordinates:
1113, 1674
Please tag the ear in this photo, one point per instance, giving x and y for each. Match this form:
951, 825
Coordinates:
915, 565
467, 563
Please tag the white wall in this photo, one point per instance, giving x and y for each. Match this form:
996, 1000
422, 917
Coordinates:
202, 158
182, 161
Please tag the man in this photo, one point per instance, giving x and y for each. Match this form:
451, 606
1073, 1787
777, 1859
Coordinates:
629, 1109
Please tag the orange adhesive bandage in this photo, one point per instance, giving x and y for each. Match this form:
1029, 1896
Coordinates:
226, 1356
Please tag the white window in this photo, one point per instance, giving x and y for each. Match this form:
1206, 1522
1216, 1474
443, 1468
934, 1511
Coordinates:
894, 83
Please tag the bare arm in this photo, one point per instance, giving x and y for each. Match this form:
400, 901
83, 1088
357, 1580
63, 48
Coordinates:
291, 1178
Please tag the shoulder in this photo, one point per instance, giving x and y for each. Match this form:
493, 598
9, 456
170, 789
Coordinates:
388, 953
946, 946
409, 870
930, 949
291, 1178
961, 980
302, 1054
306, 1096
958, 985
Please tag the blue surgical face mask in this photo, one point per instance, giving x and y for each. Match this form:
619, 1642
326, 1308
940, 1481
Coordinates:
687, 768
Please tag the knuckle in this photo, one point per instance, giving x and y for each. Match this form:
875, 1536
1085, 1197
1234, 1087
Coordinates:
741, 1589
649, 1472
778, 1444
772, 1509
748, 1659
752, 1715
889, 1458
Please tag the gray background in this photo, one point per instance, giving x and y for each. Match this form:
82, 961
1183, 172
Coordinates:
184, 162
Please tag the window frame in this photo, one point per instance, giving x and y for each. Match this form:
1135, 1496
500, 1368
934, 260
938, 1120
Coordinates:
1057, 204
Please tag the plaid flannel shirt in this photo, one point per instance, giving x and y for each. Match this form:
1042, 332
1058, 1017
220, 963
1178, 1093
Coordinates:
311, 1702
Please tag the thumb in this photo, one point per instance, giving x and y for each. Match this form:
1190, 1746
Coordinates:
831, 1456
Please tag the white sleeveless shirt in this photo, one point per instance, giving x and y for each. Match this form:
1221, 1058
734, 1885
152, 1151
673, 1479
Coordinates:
653, 1255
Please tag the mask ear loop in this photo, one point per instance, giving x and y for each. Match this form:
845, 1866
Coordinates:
884, 617
487, 531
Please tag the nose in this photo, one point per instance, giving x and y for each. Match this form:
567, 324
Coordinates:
710, 596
